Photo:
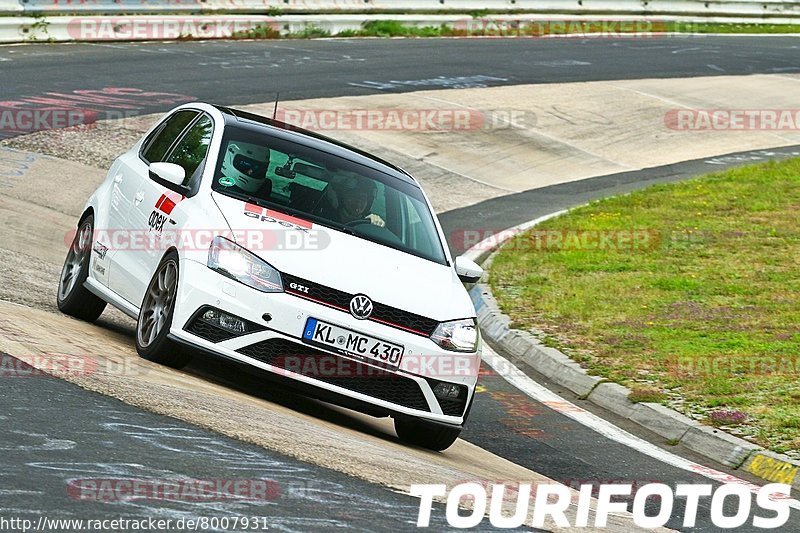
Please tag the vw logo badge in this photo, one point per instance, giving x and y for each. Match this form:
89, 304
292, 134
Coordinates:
361, 307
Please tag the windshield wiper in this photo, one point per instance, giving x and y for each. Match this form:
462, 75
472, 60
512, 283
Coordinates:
348, 230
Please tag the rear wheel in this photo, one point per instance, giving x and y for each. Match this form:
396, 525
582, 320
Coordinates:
155, 317
426, 435
73, 298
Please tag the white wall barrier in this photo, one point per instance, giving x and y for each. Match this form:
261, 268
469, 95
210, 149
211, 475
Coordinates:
273, 7
10, 7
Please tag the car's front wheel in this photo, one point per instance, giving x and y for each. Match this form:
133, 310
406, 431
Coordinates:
426, 435
155, 317
73, 298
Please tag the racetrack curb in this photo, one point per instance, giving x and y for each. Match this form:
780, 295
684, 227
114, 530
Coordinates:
675, 428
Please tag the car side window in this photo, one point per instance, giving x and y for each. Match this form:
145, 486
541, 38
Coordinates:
417, 230
156, 147
191, 150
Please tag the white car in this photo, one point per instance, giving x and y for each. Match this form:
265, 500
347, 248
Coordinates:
246, 238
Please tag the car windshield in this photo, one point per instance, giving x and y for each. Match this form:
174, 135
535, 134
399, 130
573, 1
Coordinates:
327, 189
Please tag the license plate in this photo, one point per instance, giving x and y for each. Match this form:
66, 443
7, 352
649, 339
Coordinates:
348, 342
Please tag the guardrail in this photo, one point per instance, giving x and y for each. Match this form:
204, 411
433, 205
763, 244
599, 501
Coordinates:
275, 7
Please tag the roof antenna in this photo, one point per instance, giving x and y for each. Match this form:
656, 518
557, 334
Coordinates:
275, 111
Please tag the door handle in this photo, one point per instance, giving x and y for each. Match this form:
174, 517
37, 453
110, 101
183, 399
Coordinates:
139, 198
118, 179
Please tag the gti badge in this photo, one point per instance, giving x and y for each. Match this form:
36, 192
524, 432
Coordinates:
361, 307
299, 288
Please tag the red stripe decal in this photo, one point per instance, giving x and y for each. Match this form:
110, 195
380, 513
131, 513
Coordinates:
253, 208
398, 326
277, 215
167, 206
168, 201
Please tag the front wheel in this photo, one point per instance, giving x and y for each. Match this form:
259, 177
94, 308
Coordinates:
73, 298
426, 435
155, 317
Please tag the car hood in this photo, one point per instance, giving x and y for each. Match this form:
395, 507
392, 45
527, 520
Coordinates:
348, 263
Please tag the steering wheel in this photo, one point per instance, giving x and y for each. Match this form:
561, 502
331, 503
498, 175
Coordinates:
358, 222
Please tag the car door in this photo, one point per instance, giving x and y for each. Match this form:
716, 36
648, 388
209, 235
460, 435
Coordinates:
162, 209
114, 236
131, 174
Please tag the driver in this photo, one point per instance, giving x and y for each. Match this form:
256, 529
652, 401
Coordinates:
247, 165
351, 198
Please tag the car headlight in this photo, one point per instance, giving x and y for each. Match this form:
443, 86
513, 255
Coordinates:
233, 261
457, 335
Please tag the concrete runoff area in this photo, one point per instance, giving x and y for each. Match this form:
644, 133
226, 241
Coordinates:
567, 131
557, 132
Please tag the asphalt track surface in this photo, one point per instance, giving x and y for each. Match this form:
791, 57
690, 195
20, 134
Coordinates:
62, 442
504, 421
242, 72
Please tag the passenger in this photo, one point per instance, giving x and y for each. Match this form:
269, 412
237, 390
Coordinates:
245, 167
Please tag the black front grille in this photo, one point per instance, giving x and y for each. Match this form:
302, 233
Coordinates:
316, 291
342, 372
416, 323
381, 313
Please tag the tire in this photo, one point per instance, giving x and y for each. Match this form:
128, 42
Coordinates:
72, 297
425, 435
155, 317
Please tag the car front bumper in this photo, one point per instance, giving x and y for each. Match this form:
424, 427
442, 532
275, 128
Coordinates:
278, 348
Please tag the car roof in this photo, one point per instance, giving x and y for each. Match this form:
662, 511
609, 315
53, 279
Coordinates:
314, 140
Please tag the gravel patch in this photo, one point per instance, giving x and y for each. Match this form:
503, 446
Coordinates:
96, 145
